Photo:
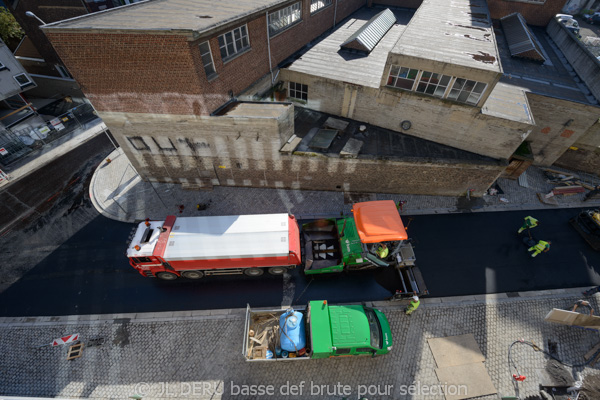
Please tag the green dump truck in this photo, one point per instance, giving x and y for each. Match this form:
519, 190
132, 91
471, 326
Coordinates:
318, 330
352, 242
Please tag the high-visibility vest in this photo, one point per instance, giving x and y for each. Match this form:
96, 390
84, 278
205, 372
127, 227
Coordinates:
383, 252
542, 245
531, 221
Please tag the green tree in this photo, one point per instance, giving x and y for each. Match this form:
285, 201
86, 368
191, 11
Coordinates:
9, 28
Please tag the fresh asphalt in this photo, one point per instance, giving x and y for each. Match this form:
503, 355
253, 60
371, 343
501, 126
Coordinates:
458, 254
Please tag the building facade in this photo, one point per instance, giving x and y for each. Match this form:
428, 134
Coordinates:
160, 84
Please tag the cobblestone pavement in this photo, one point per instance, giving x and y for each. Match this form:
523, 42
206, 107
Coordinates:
119, 193
197, 355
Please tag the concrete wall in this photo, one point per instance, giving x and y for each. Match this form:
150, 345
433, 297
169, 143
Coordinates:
440, 121
535, 14
582, 60
553, 133
584, 155
238, 151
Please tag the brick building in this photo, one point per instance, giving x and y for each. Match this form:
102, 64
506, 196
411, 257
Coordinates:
162, 75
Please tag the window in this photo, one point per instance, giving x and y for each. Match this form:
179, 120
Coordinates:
281, 19
466, 91
298, 91
138, 260
2, 66
433, 84
234, 42
23, 80
342, 351
207, 60
374, 328
402, 77
63, 72
316, 5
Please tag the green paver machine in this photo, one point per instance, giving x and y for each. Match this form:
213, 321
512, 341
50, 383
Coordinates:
351, 243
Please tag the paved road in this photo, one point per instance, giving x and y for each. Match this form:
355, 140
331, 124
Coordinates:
459, 254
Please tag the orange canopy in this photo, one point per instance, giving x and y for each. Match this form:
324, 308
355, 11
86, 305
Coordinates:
378, 221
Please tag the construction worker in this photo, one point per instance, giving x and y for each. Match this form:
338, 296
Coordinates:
529, 223
412, 306
539, 247
383, 251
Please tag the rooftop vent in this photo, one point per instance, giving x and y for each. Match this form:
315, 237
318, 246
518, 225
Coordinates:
367, 36
521, 41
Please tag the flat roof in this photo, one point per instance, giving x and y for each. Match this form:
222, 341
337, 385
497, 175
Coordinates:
379, 143
551, 78
168, 15
508, 102
455, 32
326, 60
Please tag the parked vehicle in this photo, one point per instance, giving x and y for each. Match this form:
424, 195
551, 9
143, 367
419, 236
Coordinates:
192, 247
587, 223
592, 18
318, 331
569, 22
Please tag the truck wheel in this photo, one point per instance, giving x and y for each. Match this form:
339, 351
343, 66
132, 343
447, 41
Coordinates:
193, 274
253, 271
277, 270
166, 276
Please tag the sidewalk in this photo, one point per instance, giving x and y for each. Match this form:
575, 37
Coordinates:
197, 354
118, 192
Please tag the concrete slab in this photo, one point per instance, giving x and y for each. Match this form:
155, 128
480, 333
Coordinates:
466, 381
455, 350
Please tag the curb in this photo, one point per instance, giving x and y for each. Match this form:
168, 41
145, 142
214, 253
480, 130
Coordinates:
238, 313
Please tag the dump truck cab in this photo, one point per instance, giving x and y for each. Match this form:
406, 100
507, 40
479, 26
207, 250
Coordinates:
352, 330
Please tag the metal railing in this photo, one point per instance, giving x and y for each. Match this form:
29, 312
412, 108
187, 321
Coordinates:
17, 143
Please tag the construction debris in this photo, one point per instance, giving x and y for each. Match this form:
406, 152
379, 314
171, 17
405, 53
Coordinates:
568, 183
263, 335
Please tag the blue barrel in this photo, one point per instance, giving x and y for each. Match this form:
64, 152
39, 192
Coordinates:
293, 333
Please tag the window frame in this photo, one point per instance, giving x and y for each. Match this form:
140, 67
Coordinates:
428, 83
212, 60
470, 92
295, 7
396, 77
314, 5
224, 45
29, 81
2, 66
298, 90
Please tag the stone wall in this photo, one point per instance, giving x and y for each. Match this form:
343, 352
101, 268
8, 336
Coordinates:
244, 151
559, 125
584, 154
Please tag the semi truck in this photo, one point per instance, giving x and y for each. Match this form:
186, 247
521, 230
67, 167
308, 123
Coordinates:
587, 223
194, 247
318, 330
